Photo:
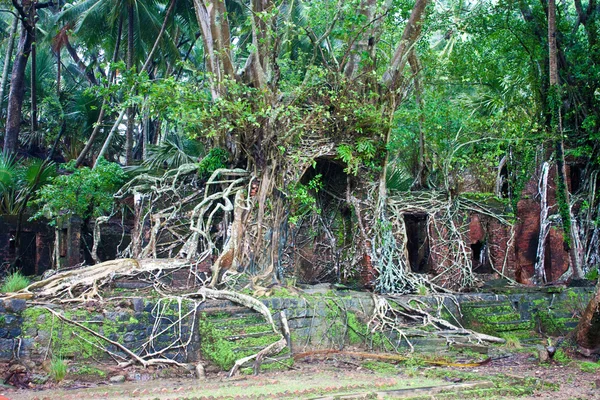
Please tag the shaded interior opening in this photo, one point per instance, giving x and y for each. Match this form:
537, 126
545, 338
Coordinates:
480, 258
417, 242
322, 237
504, 190
575, 177
27, 252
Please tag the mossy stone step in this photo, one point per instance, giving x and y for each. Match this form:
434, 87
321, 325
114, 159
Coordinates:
519, 325
241, 336
477, 309
499, 317
248, 320
486, 303
522, 335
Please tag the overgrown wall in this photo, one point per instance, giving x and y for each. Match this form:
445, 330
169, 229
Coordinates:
221, 332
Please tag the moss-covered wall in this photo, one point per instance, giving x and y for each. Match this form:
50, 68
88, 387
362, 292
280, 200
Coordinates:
222, 332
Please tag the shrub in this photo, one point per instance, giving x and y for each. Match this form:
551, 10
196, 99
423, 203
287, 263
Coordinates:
58, 369
14, 282
84, 192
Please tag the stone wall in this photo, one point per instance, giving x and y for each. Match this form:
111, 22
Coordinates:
36, 244
221, 332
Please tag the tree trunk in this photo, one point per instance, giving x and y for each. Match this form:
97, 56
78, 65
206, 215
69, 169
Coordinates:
420, 178
82, 67
7, 59
17, 93
58, 72
33, 75
111, 75
130, 110
214, 26
587, 333
572, 242
411, 33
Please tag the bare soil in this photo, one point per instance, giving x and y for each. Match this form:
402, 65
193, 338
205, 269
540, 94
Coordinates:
515, 375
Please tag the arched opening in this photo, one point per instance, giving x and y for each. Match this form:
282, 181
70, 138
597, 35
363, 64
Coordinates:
323, 223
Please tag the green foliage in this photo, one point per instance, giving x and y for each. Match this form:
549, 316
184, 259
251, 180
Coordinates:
302, 198
90, 371
20, 180
14, 282
215, 159
380, 367
592, 274
58, 369
173, 152
362, 153
512, 341
84, 192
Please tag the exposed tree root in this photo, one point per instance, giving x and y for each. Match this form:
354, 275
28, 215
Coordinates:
391, 313
384, 357
87, 280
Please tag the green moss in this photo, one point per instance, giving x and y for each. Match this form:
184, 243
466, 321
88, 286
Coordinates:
89, 370
214, 345
380, 367
493, 319
548, 323
588, 366
357, 331
67, 340
561, 357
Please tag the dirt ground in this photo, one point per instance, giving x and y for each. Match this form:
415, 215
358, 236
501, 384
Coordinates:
516, 375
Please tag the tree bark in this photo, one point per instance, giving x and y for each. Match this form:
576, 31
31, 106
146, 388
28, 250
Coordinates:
130, 110
214, 27
587, 333
33, 74
557, 132
411, 33
7, 59
420, 178
17, 92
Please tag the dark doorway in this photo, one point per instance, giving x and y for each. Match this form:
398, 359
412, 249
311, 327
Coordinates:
417, 242
480, 258
28, 252
325, 233
575, 175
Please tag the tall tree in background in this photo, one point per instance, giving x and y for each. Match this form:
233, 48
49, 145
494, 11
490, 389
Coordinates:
26, 12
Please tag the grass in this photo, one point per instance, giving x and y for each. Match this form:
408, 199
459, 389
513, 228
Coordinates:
589, 366
512, 341
58, 369
561, 357
14, 282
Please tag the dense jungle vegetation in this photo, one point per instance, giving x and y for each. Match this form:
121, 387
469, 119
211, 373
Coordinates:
224, 119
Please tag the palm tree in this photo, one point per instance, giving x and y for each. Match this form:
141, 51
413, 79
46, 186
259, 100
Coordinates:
140, 19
